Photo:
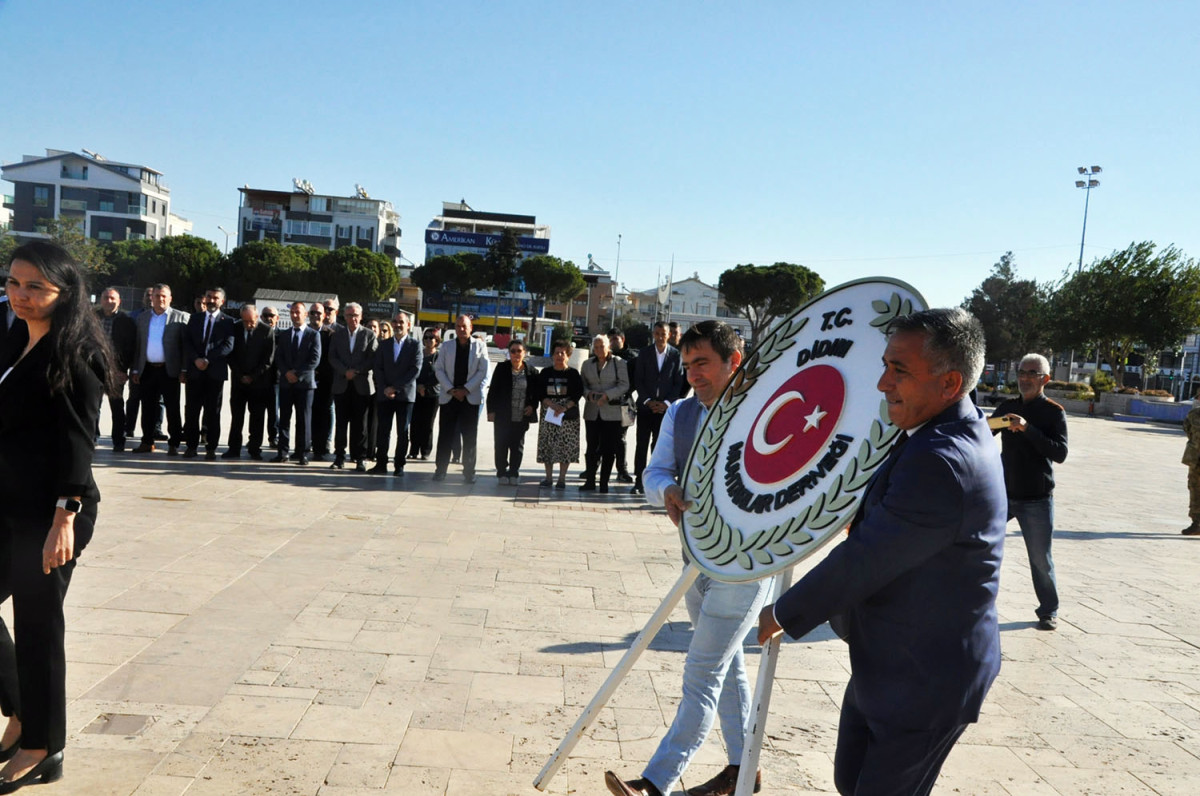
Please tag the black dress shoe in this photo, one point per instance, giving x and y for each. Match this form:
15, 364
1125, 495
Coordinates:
625, 478
302, 461
231, 454
318, 457
439, 476
359, 467
338, 464
379, 469
724, 784
587, 486
6, 754
634, 787
399, 471
48, 770
210, 456
279, 458
190, 453
256, 456
470, 479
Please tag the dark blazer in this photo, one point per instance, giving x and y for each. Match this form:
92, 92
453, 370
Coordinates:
427, 378
304, 361
172, 341
253, 357
46, 441
398, 372
499, 394
324, 368
360, 360
124, 340
653, 384
916, 579
218, 349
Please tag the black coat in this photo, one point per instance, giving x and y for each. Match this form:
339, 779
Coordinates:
254, 357
45, 440
124, 340
499, 394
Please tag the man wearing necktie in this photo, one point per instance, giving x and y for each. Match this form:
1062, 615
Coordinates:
250, 381
297, 352
353, 354
914, 584
207, 346
397, 363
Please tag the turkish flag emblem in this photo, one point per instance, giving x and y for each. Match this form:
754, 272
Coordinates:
794, 426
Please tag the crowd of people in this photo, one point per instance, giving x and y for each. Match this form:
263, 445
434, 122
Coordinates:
328, 385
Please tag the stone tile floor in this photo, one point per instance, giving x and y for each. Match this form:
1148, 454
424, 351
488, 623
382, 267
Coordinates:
246, 628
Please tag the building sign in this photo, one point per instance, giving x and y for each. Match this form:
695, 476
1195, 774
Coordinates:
265, 219
451, 242
786, 453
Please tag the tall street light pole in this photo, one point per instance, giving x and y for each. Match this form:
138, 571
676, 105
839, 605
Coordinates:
1088, 182
227, 234
616, 283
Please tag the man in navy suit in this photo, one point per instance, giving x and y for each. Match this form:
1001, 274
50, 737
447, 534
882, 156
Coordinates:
397, 363
297, 352
207, 344
352, 355
913, 587
658, 378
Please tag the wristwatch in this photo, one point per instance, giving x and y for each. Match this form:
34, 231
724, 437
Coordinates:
69, 504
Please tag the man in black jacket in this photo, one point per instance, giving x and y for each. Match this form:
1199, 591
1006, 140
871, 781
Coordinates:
207, 344
250, 368
1034, 438
122, 331
658, 379
322, 409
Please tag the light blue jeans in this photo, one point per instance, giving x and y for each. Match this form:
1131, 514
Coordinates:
714, 675
1036, 518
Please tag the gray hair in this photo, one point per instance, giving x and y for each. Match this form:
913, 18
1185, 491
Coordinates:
354, 305
1043, 363
953, 341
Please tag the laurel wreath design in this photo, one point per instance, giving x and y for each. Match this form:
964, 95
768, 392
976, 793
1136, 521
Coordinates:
721, 543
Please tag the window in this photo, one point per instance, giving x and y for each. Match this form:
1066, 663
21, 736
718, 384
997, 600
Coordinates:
318, 204
106, 206
41, 196
104, 235
154, 206
73, 204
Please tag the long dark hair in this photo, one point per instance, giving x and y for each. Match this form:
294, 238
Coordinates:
77, 340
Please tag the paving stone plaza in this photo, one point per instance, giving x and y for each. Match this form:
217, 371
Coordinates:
247, 628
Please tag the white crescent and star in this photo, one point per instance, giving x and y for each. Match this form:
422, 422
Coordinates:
758, 439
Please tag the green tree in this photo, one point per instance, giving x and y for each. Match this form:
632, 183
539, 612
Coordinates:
264, 263
68, 233
189, 265
502, 260
134, 262
1131, 298
1012, 312
550, 279
452, 275
763, 294
356, 274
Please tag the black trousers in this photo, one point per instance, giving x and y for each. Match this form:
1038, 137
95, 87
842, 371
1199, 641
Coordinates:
37, 662
322, 417
204, 394
116, 407
648, 425
298, 400
401, 411
420, 434
273, 415
132, 404
509, 440
157, 385
458, 419
352, 411
622, 459
879, 760
243, 397
603, 437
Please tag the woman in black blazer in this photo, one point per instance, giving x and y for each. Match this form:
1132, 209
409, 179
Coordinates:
511, 406
53, 374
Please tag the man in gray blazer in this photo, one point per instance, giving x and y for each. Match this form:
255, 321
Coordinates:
158, 365
297, 352
351, 357
397, 363
462, 373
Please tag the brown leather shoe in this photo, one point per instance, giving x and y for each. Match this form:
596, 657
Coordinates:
1191, 530
634, 787
724, 784
144, 448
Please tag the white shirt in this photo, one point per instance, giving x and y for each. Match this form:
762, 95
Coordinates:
662, 356
154, 338
396, 343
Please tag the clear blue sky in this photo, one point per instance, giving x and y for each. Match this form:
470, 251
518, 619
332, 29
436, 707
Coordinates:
914, 140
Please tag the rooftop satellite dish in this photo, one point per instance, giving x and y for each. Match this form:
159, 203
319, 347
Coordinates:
361, 191
303, 186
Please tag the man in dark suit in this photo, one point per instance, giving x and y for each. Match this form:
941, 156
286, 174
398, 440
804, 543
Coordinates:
207, 346
322, 413
352, 357
297, 352
122, 332
397, 363
913, 587
270, 316
657, 378
159, 366
250, 368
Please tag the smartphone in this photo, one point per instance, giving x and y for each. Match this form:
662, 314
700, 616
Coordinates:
999, 422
